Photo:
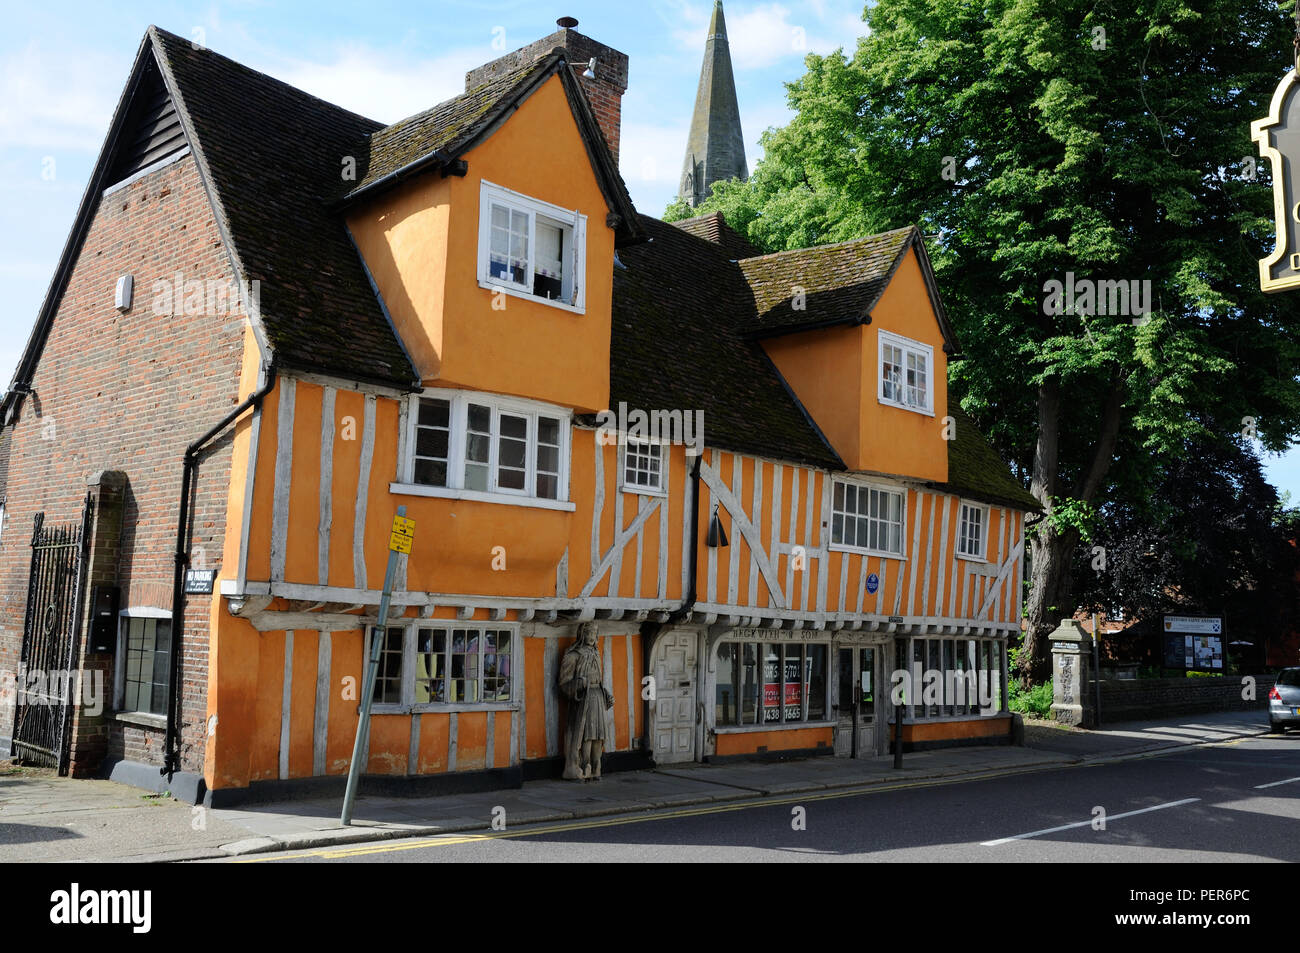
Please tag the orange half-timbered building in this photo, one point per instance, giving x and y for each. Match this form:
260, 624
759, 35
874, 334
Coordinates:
463, 314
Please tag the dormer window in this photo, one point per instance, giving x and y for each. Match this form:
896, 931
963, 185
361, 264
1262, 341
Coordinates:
906, 373
531, 249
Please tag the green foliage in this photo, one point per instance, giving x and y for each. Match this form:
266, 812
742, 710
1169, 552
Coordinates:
1119, 163
1026, 150
1077, 515
1036, 700
677, 210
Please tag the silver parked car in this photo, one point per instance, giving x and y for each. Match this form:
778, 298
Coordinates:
1284, 701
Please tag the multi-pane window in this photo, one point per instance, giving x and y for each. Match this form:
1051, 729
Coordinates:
949, 678
388, 680
771, 683
531, 247
972, 528
147, 647
867, 517
508, 248
905, 373
472, 442
446, 664
642, 466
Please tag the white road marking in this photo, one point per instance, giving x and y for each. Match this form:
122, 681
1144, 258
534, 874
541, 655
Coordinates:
1274, 784
1088, 823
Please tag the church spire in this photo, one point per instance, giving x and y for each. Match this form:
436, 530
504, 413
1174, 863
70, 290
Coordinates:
715, 149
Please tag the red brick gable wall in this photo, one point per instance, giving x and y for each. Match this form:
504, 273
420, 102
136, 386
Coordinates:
129, 391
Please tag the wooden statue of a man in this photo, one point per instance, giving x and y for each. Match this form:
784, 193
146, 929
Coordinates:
582, 683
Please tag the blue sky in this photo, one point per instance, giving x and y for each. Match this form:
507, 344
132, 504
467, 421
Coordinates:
62, 67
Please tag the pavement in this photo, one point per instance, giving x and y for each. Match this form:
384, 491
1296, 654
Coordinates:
45, 818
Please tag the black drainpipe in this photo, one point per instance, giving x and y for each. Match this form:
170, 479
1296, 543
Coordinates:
188, 464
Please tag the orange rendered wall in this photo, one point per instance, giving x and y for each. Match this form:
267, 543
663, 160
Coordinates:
824, 368
421, 245
790, 739
895, 440
993, 726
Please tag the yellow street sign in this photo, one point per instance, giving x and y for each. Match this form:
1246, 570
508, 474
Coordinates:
399, 541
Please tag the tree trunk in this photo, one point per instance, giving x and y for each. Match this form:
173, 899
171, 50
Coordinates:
1051, 550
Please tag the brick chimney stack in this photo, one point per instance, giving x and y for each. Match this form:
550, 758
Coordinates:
605, 92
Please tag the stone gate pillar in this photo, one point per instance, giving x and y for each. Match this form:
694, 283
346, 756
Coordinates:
1071, 661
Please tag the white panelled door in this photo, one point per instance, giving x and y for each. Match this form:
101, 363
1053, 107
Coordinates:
674, 661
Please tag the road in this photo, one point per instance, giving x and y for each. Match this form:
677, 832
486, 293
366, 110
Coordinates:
1235, 801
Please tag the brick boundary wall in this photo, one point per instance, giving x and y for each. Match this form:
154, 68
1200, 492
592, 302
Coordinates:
1143, 698
128, 392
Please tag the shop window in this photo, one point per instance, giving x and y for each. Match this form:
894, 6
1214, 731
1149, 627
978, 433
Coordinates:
144, 649
490, 446
970, 673
531, 248
388, 680
428, 664
771, 683
867, 518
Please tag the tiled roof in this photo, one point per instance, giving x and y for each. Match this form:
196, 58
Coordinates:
438, 128
688, 303
271, 152
975, 470
442, 134
684, 313
713, 227
680, 307
840, 283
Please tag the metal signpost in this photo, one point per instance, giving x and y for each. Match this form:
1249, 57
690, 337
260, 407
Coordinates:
399, 543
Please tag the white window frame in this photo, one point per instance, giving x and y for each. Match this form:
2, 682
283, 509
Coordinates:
124, 617
907, 345
575, 254
458, 419
624, 442
411, 627
982, 556
975, 650
879, 487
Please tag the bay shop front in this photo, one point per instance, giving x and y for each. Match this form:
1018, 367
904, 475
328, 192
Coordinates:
739, 693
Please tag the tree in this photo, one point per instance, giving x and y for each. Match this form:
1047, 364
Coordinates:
1073, 142
1209, 536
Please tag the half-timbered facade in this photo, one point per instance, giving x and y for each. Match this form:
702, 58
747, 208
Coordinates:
462, 314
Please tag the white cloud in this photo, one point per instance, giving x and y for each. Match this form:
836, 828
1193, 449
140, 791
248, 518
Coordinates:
651, 154
54, 101
384, 85
765, 34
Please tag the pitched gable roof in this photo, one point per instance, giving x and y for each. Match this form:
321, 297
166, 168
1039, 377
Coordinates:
683, 337
680, 307
437, 137
266, 154
713, 227
269, 154
841, 283
976, 471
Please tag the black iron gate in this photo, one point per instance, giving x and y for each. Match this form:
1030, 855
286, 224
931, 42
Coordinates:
47, 680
